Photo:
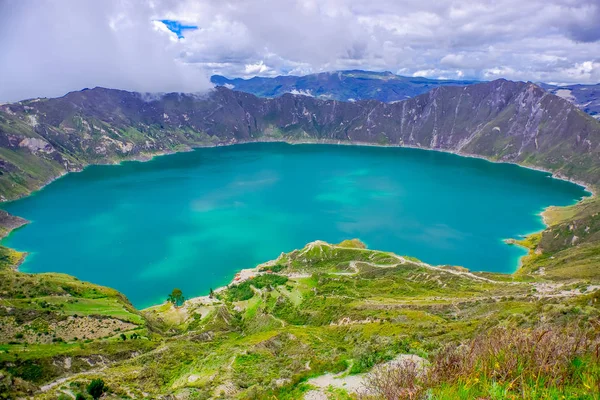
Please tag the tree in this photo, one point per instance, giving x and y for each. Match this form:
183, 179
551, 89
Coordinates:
176, 297
79, 397
211, 294
123, 337
96, 388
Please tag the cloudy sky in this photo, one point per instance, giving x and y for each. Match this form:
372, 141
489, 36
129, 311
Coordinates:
50, 47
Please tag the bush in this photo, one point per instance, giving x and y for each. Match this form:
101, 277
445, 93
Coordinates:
273, 268
28, 370
400, 381
244, 291
96, 388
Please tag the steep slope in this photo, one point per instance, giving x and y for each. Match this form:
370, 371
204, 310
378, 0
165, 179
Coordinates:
383, 86
501, 120
339, 85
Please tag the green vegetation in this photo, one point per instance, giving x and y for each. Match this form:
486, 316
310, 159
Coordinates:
246, 289
96, 388
176, 297
323, 314
330, 310
9, 258
569, 248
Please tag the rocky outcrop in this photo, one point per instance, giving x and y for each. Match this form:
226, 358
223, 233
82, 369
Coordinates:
9, 222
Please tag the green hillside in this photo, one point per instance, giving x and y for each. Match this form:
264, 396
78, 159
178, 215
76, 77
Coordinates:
317, 322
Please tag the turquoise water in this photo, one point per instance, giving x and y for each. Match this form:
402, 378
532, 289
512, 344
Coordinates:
191, 220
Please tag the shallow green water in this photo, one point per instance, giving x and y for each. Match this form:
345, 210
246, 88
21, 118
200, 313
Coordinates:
191, 220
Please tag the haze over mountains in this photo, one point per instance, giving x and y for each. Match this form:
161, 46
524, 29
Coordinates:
501, 120
384, 86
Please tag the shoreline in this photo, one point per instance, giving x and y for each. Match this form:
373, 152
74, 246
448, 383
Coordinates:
144, 157
554, 175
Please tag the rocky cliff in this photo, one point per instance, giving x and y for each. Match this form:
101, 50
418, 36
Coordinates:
501, 120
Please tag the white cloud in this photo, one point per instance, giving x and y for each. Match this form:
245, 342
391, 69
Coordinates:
47, 48
302, 93
50, 47
161, 27
258, 68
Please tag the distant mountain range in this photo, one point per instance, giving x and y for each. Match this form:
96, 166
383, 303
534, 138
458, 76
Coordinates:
341, 85
42, 139
586, 97
383, 86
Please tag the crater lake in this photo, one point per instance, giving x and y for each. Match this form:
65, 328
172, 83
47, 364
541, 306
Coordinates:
192, 220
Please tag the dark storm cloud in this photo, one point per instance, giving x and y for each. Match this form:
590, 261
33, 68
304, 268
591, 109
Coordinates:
586, 28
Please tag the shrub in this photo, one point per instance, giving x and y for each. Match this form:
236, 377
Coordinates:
96, 388
274, 268
399, 381
244, 291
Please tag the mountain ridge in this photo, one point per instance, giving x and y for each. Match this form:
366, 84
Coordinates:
501, 120
352, 85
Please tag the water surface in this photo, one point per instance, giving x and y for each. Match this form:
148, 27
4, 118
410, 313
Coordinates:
191, 220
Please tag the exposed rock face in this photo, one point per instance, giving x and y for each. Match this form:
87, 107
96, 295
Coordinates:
35, 145
501, 120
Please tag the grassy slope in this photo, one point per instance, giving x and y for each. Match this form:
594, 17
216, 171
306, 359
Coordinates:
570, 247
326, 309
52, 324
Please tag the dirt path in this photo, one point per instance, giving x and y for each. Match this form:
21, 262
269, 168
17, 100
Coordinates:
64, 379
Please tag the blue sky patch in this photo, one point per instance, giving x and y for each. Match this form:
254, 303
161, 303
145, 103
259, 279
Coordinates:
177, 27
